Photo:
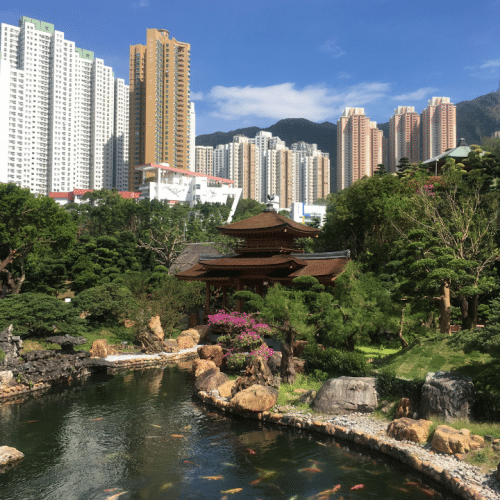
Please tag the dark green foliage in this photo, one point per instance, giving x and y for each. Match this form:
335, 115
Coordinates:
39, 315
105, 302
390, 386
335, 362
247, 208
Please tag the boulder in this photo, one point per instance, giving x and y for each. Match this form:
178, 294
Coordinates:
404, 408
298, 348
226, 388
307, 397
67, 342
256, 373
170, 346
213, 353
498, 472
447, 396
210, 379
201, 365
101, 349
274, 363
407, 429
9, 455
185, 342
346, 394
11, 346
5, 377
191, 332
255, 398
449, 440
155, 327
204, 331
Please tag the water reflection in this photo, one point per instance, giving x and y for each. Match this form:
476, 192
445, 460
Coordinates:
142, 435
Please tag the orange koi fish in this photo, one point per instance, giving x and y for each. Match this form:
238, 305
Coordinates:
113, 497
176, 436
357, 487
256, 481
95, 419
213, 478
232, 491
251, 452
312, 470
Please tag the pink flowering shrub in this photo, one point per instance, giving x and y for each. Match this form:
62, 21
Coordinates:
427, 190
235, 323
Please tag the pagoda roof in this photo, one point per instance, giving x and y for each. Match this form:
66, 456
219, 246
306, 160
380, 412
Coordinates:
237, 262
268, 221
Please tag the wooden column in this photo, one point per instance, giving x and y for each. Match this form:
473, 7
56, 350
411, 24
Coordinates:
207, 303
239, 287
224, 297
260, 289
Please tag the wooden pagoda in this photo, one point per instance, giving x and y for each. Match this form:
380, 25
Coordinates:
267, 255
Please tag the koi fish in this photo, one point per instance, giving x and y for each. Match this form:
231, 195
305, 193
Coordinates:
266, 474
176, 435
91, 419
213, 478
187, 428
116, 496
227, 464
190, 463
429, 492
330, 491
110, 489
166, 486
357, 487
251, 452
322, 444
31, 421
155, 425
232, 491
312, 470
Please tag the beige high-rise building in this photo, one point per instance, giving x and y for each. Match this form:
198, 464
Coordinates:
159, 103
439, 127
404, 136
204, 163
359, 147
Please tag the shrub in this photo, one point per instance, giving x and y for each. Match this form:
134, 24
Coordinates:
236, 361
391, 386
335, 362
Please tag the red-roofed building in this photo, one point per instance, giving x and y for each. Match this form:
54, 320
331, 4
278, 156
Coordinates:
268, 255
75, 196
176, 185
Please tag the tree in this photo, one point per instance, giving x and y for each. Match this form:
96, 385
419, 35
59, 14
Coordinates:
39, 315
247, 208
29, 224
452, 244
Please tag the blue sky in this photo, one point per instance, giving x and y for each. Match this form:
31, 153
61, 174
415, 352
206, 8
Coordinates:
255, 62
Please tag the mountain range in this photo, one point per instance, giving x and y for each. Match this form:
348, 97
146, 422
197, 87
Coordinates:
475, 119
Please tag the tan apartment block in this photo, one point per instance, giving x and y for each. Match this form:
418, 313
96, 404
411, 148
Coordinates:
159, 103
439, 127
404, 136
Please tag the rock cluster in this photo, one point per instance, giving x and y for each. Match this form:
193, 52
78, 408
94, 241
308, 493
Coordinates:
447, 396
449, 440
407, 429
346, 394
9, 455
10, 346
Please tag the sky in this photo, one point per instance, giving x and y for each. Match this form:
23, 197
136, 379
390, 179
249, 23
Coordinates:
255, 62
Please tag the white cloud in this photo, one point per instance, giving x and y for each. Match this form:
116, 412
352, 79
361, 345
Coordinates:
416, 95
197, 96
343, 75
331, 47
141, 4
492, 63
313, 102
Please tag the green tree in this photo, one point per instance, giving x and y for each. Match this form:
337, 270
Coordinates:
29, 224
39, 315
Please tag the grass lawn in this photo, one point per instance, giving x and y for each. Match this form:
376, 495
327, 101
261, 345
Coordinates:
377, 352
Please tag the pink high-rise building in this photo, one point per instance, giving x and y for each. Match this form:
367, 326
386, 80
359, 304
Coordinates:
404, 136
439, 127
359, 147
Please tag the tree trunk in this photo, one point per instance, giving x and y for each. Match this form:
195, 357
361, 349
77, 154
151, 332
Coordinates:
472, 316
287, 371
15, 283
445, 306
464, 309
404, 344
350, 343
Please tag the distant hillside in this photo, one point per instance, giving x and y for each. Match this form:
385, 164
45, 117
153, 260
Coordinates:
475, 119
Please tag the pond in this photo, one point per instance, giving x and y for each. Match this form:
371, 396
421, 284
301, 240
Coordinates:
142, 435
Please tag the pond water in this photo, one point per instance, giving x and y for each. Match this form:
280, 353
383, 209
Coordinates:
142, 435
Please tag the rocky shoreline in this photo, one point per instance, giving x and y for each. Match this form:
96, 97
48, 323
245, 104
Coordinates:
461, 478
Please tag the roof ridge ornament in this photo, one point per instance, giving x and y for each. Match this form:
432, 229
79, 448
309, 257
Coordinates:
269, 204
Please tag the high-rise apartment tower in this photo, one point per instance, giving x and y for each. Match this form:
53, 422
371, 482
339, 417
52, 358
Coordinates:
439, 127
359, 147
159, 103
61, 116
404, 136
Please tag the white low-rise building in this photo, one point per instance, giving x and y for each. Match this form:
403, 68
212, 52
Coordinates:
303, 213
164, 183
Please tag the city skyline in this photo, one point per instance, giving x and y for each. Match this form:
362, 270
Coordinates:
256, 63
